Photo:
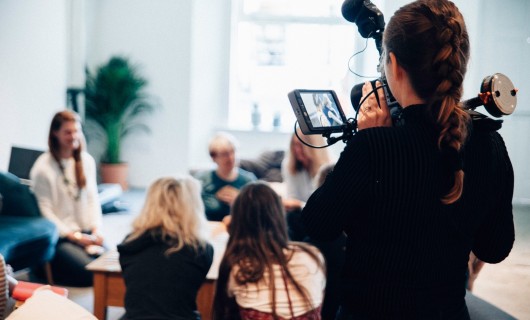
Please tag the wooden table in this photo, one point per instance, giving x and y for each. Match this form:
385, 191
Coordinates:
109, 287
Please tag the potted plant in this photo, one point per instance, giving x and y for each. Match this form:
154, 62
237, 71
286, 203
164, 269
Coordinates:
114, 105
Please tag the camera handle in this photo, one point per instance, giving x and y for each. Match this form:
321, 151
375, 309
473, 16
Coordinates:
497, 94
347, 132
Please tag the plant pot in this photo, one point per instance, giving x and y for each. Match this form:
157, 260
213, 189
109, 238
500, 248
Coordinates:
115, 173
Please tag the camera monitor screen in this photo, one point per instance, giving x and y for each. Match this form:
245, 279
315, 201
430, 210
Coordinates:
317, 111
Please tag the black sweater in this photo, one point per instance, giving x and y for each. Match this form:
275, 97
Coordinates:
160, 286
407, 252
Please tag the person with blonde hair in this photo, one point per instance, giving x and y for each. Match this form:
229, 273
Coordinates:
166, 258
328, 109
64, 182
299, 171
301, 165
221, 186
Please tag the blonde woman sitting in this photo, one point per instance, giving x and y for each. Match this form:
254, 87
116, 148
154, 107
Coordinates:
165, 259
300, 167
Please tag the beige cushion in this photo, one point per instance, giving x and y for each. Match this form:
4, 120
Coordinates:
44, 304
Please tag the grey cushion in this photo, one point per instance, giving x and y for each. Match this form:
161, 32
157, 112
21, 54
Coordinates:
266, 167
17, 199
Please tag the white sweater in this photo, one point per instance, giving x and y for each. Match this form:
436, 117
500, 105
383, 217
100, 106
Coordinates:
305, 271
56, 194
299, 185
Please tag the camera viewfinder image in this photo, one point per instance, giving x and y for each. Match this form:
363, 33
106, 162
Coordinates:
322, 109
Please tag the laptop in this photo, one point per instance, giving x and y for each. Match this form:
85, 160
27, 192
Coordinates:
21, 161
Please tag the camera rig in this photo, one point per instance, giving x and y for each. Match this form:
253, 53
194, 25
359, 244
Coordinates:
497, 93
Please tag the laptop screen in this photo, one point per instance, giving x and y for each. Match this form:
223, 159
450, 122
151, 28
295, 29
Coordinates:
21, 161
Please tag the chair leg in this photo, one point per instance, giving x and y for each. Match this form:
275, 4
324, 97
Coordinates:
48, 272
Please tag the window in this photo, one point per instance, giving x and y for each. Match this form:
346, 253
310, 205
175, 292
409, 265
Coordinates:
278, 46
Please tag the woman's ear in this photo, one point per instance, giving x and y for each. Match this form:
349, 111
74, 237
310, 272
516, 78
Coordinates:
397, 70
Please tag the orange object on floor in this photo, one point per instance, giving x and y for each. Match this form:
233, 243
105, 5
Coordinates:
23, 290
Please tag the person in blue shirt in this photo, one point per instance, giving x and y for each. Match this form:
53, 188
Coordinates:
221, 186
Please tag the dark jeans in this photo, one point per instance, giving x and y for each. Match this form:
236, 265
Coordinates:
295, 227
68, 265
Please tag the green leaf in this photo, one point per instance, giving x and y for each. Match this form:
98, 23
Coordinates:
115, 103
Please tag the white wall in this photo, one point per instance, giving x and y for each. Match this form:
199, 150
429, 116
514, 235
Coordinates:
507, 50
183, 47
210, 56
157, 36
500, 42
32, 71
185, 50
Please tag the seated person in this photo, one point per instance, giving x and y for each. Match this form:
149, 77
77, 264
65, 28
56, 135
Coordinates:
221, 186
329, 110
262, 274
165, 259
300, 167
64, 182
299, 170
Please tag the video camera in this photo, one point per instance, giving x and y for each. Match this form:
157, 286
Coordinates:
497, 93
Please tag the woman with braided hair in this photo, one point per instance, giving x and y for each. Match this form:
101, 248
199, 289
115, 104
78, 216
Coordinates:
411, 201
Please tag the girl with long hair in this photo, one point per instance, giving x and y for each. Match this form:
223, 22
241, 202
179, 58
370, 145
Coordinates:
64, 182
299, 171
263, 275
398, 190
165, 259
301, 165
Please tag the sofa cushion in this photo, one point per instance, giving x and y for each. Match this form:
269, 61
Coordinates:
27, 241
17, 198
266, 167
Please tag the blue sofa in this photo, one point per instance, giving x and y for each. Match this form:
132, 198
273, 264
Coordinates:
26, 238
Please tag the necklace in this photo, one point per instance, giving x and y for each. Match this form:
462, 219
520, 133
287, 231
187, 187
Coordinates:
71, 187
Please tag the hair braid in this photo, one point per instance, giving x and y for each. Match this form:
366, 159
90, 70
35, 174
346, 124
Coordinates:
449, 64
430, 41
